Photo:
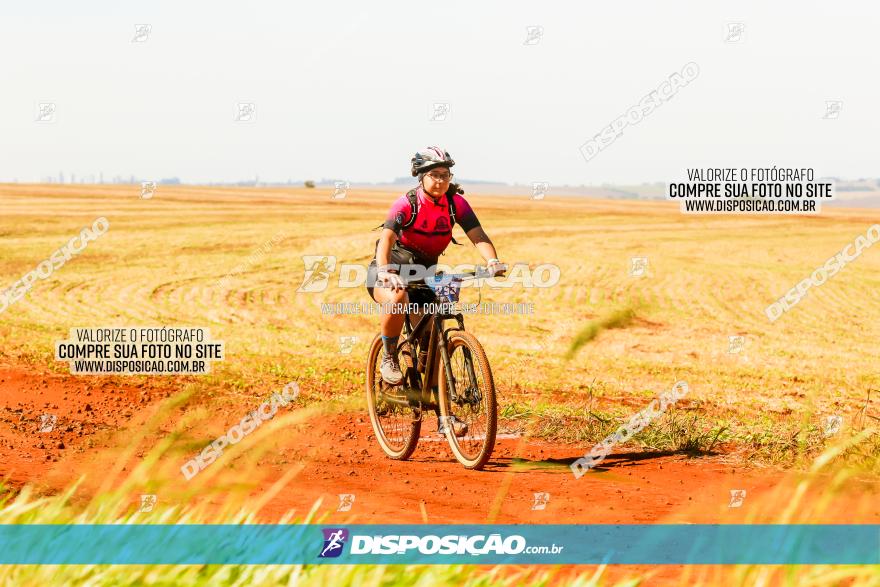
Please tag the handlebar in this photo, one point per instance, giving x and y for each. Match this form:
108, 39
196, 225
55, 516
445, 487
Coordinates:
480, 272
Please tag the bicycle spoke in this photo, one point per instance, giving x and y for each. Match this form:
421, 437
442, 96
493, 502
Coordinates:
394, 419
467, 400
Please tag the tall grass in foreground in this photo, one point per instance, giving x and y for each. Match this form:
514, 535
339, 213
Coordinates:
115, 507
803, 500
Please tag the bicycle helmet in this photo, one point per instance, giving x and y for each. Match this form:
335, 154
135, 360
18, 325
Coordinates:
429, 158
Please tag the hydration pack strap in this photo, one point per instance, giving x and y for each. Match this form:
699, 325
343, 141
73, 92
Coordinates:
413, 198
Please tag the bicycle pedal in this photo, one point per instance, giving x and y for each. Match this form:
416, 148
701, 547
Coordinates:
412, 394
395, 392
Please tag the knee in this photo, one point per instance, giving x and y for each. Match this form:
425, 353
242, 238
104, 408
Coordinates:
396, 301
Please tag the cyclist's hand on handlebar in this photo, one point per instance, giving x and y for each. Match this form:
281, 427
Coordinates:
390, 280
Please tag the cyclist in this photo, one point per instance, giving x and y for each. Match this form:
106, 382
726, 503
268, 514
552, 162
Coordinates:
417, 230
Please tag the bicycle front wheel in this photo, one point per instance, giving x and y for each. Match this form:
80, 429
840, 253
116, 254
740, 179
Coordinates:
470, 397
395, 423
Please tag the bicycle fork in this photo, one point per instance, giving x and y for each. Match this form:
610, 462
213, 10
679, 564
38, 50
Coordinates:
438, 335
451, 383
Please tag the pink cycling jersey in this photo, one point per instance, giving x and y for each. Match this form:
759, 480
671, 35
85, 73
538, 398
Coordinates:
431, 233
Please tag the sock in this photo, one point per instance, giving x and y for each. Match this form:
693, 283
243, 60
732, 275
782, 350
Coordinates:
389, 343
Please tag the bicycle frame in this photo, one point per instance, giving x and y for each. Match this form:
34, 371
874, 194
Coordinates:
434, 322
438, 334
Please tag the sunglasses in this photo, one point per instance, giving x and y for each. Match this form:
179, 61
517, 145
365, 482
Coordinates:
440, 176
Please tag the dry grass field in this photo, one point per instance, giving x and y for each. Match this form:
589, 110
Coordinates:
600, 345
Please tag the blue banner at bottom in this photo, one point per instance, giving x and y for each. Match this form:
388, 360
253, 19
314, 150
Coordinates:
654, 544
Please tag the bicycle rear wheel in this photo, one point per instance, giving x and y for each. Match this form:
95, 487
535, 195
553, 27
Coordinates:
395, 423
470, 397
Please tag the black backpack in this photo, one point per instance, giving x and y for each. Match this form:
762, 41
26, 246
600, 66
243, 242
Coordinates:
414, 207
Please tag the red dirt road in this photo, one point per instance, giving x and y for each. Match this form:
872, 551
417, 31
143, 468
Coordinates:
48, 421
338, 455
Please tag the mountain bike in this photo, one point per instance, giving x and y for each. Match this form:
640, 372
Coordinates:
465, 388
